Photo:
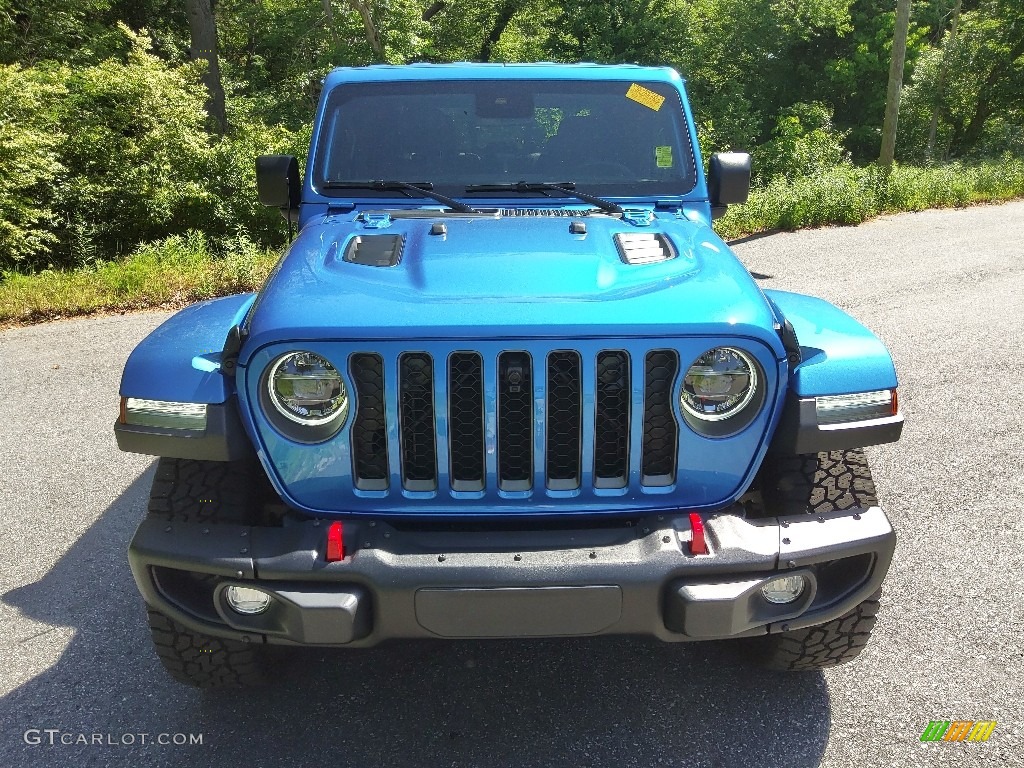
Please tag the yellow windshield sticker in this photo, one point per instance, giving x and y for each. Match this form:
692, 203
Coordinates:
663, 157
645, 96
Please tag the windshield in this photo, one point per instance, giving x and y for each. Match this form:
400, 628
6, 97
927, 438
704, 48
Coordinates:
611, 138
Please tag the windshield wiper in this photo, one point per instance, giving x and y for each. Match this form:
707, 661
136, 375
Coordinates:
566, 188
424, 188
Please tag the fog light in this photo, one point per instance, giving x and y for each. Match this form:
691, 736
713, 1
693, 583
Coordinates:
246, 600
784, 590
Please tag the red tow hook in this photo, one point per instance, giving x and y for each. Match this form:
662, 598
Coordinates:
698, 544
335, 543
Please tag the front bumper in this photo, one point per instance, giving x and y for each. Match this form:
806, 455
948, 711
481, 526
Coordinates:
398, 583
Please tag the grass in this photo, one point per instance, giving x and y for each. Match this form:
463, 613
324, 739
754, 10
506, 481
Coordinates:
169, 273
850, 195
187, 268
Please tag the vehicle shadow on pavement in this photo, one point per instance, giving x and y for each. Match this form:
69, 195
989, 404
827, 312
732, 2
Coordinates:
580, 702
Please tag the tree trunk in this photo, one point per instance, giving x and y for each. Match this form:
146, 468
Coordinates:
203, 29
372, 37
433, 10
329, 15
892, 101
941, 85
505, 14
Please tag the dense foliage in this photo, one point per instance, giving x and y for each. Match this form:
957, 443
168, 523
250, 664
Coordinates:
106, 142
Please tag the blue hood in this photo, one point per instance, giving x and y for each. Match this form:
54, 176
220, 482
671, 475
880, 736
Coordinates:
509, 277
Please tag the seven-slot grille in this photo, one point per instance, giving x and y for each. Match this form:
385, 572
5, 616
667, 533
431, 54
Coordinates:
558, 404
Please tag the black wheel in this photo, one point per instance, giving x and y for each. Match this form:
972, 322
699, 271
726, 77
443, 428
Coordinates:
203, 661
816, 483
186, 490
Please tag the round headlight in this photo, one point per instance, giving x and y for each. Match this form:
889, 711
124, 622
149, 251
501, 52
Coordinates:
719, 384
307, 389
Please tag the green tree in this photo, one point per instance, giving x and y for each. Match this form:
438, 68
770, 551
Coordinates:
471, 30
30, 133
981, 108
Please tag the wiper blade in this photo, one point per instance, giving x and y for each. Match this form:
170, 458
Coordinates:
566, 188
424, 188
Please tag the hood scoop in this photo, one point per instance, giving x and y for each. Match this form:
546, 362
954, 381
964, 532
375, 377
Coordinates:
644, 248
375, 250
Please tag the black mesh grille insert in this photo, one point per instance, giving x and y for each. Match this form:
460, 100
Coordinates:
416, 421
661, 433
515, 421
369, 427
611, 427
466, 420
563, 420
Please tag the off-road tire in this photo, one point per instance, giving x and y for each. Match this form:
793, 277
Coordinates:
203, 661
813, 484
193, 491
823, 646
216, 492
817, 482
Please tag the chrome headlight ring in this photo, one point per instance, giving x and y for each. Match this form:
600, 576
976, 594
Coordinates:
304, 396
722, 392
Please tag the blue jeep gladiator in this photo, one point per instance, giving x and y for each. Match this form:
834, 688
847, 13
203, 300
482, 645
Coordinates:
507, 382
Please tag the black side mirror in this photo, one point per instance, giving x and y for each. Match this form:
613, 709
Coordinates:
278, 184
728, 181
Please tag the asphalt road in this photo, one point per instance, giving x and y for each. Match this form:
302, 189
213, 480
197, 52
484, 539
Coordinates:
945, 291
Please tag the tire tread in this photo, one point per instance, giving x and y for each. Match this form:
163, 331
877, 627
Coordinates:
816, 484
204, 661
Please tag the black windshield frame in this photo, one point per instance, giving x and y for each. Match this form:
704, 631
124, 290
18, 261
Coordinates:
506, 131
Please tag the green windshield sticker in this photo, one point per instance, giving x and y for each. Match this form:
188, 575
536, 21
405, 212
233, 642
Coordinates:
663, 156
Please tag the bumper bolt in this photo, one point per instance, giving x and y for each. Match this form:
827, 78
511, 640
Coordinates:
856, 517
167, 529
239, 574
517, 558
785, 541
593, 555
666, 539
244, 550
441, 558
791, 564
206, 531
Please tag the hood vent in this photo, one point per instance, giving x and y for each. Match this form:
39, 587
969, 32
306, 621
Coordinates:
512, 213
644, 248
375, 250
